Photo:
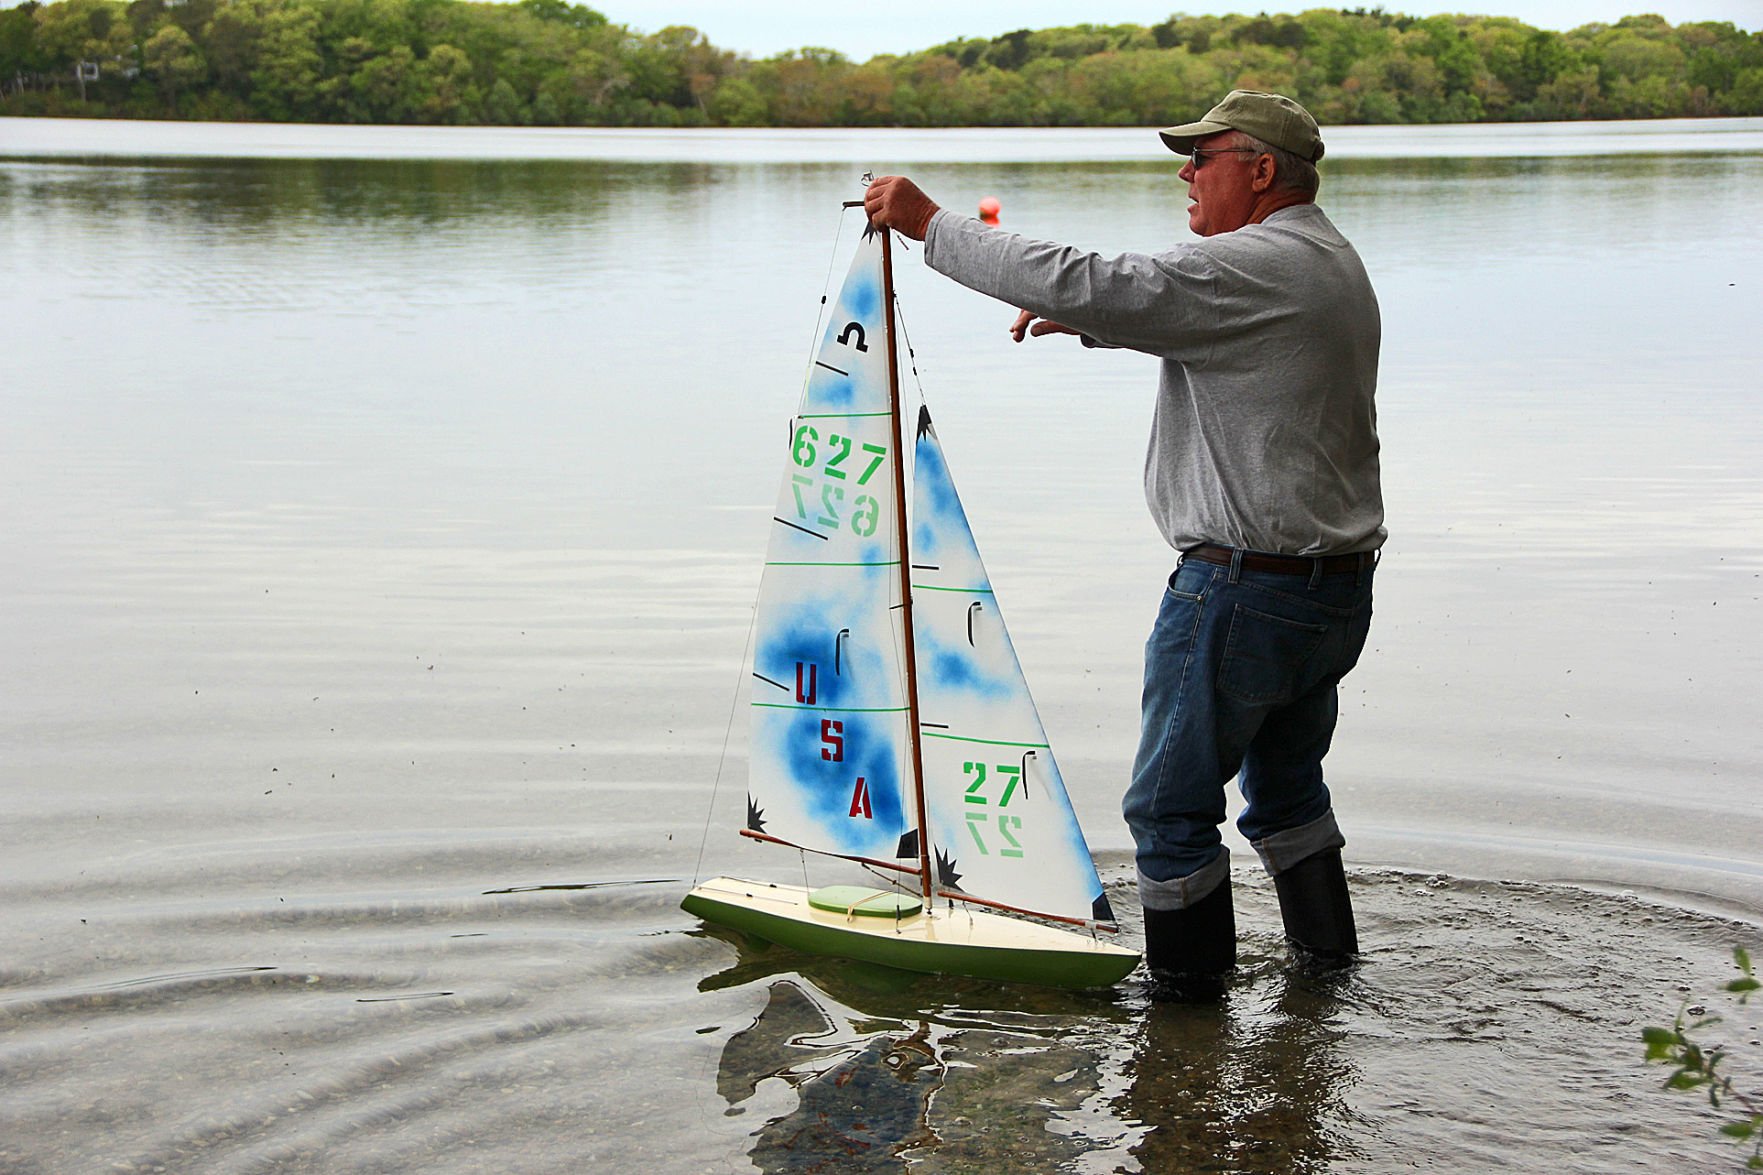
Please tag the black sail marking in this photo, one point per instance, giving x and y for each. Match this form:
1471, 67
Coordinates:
845, 336
823, 538
946, 874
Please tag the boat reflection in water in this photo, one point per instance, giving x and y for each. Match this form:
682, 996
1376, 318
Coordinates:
864, 1068
862, 1102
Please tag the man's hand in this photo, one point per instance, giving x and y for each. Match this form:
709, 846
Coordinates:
895, 202
1046, 326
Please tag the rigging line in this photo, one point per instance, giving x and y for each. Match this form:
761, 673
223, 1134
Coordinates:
728, 732
911, 355
888, 879
832, 260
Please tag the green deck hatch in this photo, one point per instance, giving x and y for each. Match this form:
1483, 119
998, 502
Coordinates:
865, 900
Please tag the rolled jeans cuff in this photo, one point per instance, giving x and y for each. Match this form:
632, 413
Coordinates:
1282, 850
1182, 892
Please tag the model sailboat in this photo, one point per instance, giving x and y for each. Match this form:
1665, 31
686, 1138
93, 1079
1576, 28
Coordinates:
891, 724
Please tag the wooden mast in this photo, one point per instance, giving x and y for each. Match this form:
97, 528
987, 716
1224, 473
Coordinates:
912, 734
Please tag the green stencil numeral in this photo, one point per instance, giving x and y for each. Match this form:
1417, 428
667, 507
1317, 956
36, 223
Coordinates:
828, 495
1005, 824
1014, 775
866, 510
843, 445
863, 518
877, 454
974, 820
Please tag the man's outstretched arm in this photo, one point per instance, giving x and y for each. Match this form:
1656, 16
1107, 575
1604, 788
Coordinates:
895, 202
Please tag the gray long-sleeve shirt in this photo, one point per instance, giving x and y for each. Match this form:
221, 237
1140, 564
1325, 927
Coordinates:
1265, 430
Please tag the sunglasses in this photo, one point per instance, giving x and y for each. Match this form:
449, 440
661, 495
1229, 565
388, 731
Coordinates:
1201, 154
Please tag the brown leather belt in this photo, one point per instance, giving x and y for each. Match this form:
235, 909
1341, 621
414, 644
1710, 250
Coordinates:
1283, 564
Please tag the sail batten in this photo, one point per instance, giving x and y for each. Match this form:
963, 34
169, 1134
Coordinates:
991, 742
833, 709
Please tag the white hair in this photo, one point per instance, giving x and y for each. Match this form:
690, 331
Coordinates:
1289, 171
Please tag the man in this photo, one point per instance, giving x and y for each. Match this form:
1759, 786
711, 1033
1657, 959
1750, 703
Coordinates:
1263, 472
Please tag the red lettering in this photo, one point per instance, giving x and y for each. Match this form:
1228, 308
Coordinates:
860, 800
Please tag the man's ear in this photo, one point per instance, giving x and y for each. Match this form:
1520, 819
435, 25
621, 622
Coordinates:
1261, 178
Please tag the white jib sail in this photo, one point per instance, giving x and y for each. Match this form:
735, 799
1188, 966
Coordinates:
1001, 824
828, 702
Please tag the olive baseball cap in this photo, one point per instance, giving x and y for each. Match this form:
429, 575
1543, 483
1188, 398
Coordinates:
1272, 118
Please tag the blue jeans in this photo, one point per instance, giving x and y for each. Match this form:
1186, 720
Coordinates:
1240, 676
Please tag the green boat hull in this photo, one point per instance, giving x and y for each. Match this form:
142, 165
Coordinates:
949, 942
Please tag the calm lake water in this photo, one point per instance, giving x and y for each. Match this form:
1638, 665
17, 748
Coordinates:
383, 512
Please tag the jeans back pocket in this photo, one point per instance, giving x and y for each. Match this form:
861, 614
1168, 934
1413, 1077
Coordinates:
1264, 655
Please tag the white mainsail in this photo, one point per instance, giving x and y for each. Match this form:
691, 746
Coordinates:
1001, 824
829, 719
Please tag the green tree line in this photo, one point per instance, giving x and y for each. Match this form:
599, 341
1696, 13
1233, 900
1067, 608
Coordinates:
555, 63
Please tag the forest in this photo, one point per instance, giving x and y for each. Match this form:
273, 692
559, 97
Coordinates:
555, 63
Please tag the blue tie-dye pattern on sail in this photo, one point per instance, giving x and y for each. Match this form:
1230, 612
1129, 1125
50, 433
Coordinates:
834, 680
879, 561
831, 671
941, 536
829, 788
829, 390
953, 667
859, 304
861, 299
932, 476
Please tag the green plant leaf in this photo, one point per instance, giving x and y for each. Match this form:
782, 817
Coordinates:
1739, 1129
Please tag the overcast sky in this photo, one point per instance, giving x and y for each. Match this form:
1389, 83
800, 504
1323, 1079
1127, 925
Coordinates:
860, 31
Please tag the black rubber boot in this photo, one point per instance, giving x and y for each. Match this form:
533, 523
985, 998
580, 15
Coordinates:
1190, 952
1317, 911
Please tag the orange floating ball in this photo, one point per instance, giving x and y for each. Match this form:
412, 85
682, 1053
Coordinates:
989, 208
